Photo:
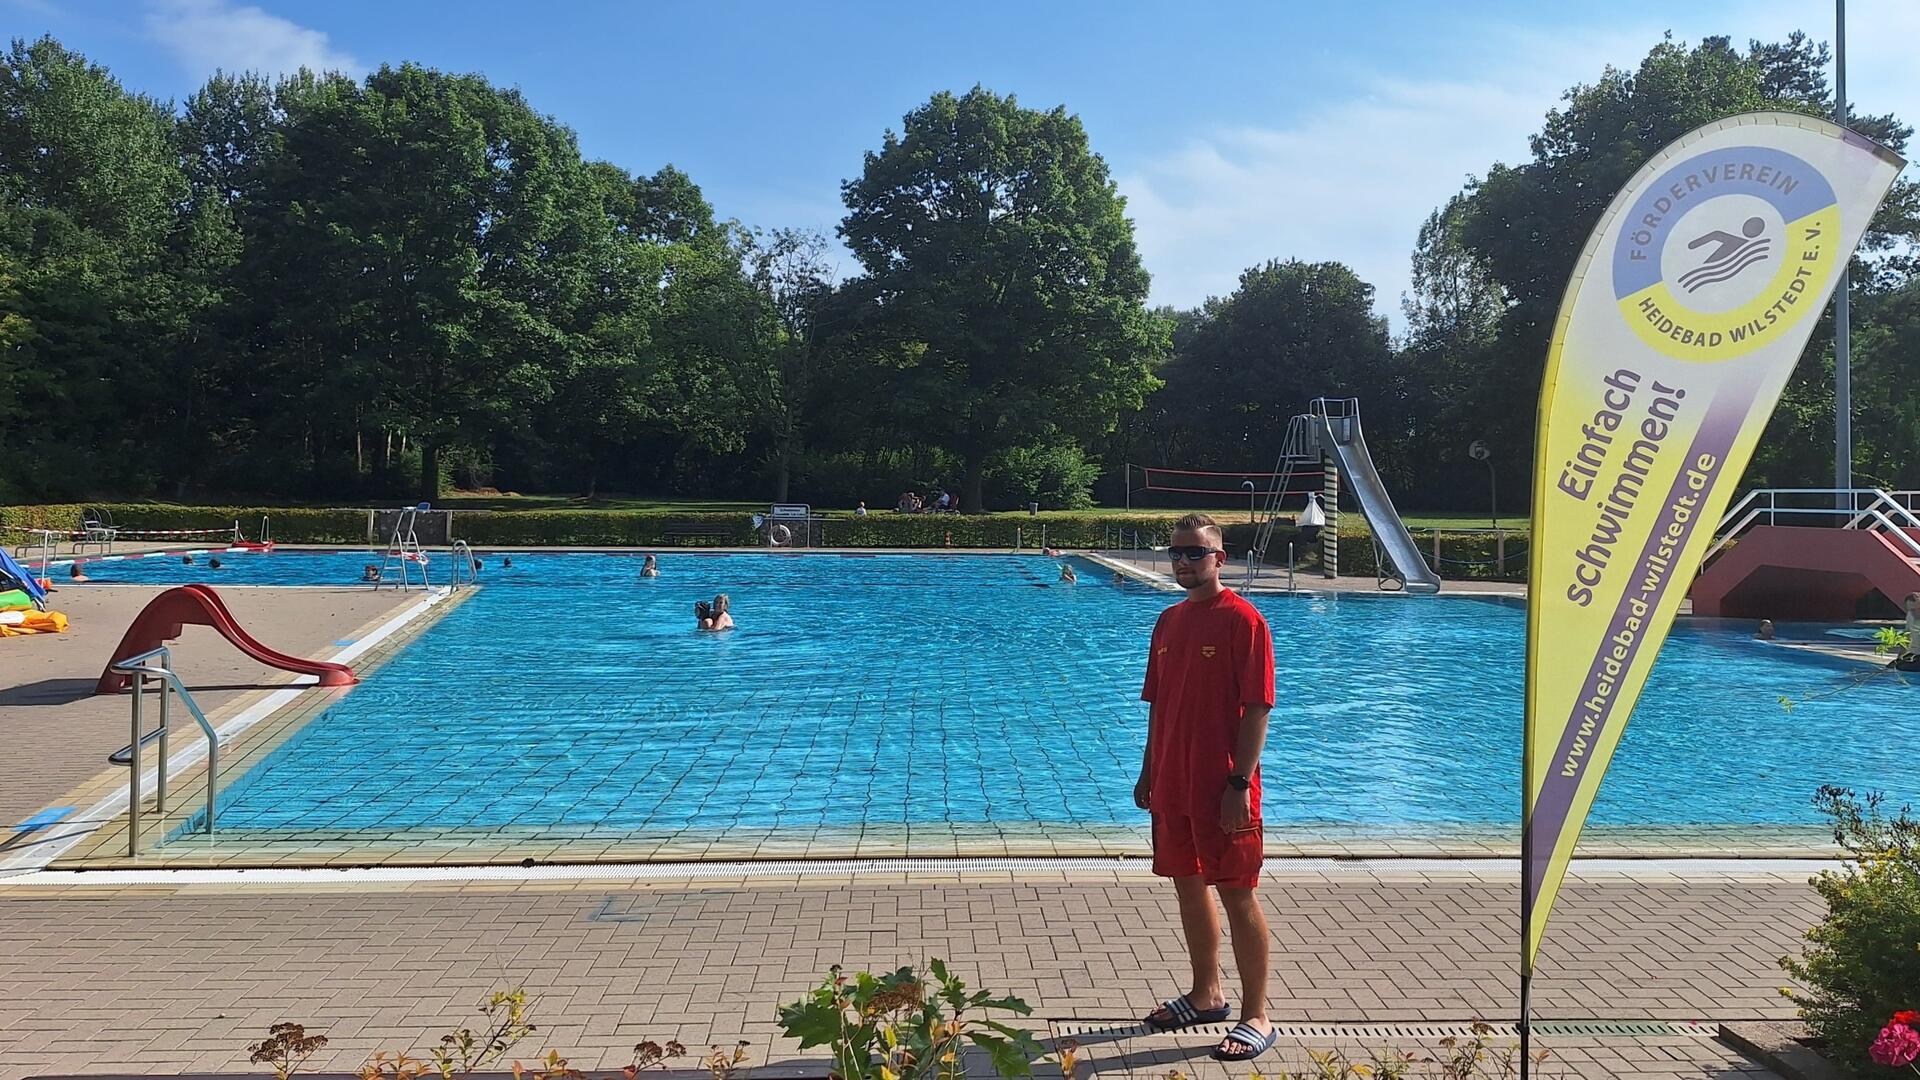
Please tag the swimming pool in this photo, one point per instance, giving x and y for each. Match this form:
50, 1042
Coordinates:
572, 694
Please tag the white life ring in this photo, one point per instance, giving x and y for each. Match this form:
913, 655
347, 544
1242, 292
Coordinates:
779, 535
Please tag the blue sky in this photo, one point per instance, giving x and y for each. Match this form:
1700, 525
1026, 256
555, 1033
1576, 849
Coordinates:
1238, 132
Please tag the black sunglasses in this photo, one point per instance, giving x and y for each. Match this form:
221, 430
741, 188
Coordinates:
1191, 554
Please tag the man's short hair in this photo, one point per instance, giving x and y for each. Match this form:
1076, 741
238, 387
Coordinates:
1197, 523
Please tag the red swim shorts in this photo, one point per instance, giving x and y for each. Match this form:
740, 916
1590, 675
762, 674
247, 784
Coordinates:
1186, 847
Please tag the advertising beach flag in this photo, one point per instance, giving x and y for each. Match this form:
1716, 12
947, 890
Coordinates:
1686, 313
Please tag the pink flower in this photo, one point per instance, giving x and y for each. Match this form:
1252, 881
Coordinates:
1897, 1045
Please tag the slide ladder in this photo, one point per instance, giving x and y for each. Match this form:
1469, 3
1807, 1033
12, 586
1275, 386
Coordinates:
1297, 449
1336, 425
198, 605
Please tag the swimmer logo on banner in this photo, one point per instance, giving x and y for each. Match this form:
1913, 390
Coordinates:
1686, 313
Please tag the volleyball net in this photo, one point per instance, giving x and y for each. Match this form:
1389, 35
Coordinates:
1146, 479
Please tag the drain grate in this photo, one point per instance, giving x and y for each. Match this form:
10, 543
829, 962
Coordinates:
1591, 1029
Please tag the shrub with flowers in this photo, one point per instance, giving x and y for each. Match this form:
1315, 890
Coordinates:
1898, 1044
1861, 963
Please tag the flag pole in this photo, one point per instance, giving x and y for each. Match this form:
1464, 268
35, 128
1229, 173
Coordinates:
1526, 810
1526, 907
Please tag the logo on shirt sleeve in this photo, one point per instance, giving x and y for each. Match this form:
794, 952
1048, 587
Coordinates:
1207, 651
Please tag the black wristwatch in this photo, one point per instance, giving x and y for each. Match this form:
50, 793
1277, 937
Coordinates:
1238, 782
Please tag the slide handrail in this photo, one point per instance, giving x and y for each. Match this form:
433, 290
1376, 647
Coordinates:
158, 664
1886, 526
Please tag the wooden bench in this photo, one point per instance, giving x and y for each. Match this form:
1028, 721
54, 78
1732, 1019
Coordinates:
697, 531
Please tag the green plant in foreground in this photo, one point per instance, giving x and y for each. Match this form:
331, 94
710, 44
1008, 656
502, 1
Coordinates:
720, 1064
462, 1053
1861, 962
285, 1049
901, 1027
1892, 641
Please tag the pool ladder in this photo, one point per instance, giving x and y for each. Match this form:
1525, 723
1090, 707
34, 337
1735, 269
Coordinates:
463, 571
157, 665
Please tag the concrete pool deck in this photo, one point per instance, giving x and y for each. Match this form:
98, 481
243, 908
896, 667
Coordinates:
101, 976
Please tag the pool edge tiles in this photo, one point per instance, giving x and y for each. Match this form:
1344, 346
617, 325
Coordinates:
297, 849
102, 837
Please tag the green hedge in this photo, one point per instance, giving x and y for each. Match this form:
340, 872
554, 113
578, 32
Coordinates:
597, 528
652, 528
1465, 555
623, 528
296, 525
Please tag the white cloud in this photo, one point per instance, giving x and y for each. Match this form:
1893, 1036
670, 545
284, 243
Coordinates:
208, 34
1353, 180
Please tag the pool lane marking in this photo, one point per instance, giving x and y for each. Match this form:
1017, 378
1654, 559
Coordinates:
1492, 870
62, 836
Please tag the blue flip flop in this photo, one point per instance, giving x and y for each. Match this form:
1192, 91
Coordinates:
1185, 1015
1247, 1035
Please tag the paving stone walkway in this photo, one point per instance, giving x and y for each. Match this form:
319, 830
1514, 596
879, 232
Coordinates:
172, 979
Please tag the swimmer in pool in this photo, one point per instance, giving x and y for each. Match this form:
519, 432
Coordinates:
1067, 575
714, 616
650, 568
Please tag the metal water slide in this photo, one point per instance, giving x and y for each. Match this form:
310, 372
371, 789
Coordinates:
1337, 424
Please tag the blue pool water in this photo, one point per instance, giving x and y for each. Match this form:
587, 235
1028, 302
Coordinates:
569, 691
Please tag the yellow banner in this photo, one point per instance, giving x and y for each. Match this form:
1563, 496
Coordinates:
1686, 313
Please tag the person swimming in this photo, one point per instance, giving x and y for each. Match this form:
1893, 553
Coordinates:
371, 573
1765, 632
213, 563
1067, 575
715, 615
650, 568
74, 573
506, 562
186, 560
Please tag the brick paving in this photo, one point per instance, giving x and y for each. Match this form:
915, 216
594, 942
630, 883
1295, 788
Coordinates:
169, 979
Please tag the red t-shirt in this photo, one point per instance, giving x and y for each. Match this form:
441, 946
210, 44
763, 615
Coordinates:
1208, 661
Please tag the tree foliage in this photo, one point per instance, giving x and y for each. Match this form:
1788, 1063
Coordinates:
992, 234
324, 288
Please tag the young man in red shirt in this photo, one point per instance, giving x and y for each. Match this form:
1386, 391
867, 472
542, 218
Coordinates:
1210, 685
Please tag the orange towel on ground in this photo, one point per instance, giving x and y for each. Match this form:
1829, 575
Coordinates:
35, 622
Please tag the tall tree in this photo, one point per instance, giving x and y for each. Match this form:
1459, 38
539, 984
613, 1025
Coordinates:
994, 234
1525, 224
90, 226
436, 234
1291, 332
794, 275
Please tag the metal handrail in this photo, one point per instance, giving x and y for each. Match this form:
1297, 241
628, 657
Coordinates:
1853, 501
1894, 530
138, 671
462, 564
